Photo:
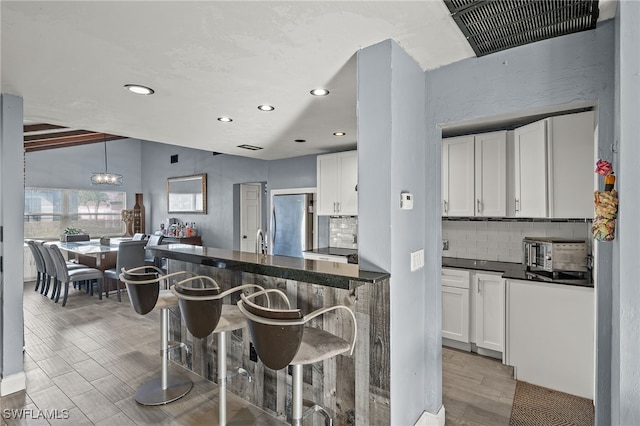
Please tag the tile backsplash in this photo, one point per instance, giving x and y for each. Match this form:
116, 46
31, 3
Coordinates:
502, 241
343, 232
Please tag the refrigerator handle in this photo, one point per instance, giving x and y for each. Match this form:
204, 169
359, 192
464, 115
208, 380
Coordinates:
273, 231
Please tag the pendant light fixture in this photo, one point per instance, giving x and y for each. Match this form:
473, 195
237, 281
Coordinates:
106, 178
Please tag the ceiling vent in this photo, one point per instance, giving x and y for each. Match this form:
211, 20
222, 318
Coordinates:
494, 25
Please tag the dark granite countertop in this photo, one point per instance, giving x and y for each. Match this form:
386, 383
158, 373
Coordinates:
515, 271
331, 274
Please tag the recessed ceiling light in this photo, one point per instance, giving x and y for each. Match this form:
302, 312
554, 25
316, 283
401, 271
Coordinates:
319, 92
225, 119
139, 90
300, 140
266, 107
339, 133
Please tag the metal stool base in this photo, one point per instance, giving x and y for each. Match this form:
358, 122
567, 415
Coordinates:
151, 393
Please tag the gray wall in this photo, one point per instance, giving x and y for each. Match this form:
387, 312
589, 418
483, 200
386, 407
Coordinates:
391, 136
72, 167
555, 72
218, 227
11, 220
626, 336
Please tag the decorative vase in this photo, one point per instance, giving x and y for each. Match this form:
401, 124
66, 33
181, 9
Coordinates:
138, 215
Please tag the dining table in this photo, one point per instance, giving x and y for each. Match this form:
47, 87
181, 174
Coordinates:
93, 253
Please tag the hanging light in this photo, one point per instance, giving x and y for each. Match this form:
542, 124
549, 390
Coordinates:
106, 178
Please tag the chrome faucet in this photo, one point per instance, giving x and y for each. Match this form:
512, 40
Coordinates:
261, 245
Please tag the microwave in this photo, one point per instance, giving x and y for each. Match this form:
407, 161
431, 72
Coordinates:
554, 254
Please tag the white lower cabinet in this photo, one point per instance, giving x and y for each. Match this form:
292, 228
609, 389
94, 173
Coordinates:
550, 335
473, 311
455, 305
489, 311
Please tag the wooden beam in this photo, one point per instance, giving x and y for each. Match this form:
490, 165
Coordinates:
57, 135
68, 142
40, 127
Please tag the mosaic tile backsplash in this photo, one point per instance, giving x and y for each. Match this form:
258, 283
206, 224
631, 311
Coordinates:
502, 241
343, 232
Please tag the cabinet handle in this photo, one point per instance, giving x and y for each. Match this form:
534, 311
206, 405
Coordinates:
334, 206
517, 205
446, 207
338, 203
479, 284
478, 203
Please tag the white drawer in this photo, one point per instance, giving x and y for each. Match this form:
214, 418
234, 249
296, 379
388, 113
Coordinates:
455, 278
325, 257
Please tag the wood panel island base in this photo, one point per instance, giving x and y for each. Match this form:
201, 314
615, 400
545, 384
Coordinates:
354, 387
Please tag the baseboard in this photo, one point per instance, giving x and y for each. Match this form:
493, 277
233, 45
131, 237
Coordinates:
428, 419
13, 383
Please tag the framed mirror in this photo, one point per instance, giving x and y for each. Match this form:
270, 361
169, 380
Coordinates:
187, 194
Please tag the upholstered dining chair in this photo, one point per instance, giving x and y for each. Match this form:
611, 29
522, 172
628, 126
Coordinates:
40, 266
65, 275
130, 255
50, 269
149, 258
281, 338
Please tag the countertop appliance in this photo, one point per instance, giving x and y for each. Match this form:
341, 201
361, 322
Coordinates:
291, 224
555, 255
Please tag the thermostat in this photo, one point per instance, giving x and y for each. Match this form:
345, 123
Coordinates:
406, 201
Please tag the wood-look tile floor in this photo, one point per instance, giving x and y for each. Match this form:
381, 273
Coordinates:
87, 359
476, 390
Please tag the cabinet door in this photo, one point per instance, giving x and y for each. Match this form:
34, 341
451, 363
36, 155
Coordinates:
30, 271
490, 312
327, 183
455, 313
530, 153
571, 144
458, 176
491, 174
348, 199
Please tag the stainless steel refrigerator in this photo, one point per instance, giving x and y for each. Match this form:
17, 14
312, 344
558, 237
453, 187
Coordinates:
291, 224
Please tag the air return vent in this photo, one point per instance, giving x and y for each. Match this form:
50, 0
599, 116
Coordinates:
494, 25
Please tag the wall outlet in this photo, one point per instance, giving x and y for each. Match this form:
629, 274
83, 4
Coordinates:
417, 260
253, 355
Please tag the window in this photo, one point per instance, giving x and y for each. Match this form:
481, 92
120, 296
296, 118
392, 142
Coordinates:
48, 212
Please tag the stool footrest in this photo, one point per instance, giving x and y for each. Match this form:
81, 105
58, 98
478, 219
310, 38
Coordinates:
235, 371
312, 408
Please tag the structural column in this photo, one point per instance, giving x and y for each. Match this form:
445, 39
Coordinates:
12, 377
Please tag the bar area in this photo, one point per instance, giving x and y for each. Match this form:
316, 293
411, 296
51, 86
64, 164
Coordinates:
354, 388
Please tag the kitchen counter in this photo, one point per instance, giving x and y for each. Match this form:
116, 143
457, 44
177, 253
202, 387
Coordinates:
513, 270
330, 274
350, 254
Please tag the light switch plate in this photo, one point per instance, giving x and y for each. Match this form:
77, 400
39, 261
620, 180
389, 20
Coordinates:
417, 260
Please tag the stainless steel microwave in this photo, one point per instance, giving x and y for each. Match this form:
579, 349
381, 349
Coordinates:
554, 254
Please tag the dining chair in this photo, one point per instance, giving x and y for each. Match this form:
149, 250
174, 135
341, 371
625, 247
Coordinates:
50, 268
40, 266
130, 255
65, 275
150, 259
138, 237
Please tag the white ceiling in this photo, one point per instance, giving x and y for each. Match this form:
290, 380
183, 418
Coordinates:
206, 59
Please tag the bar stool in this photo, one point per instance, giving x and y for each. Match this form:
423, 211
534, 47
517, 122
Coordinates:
204, 313
143, 288
281, 339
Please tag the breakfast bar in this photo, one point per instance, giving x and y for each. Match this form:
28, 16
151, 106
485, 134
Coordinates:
354, 387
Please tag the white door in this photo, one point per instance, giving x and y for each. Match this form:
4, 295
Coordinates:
491, 174
458, 176
250, 215
531, 170
490, 312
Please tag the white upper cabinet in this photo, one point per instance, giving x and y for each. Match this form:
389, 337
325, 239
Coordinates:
554, 163
337, 184
530, 152
474, 175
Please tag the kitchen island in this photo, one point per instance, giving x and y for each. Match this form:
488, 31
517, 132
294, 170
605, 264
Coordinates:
355, 387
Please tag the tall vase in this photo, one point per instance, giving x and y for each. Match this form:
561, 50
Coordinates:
138, 215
